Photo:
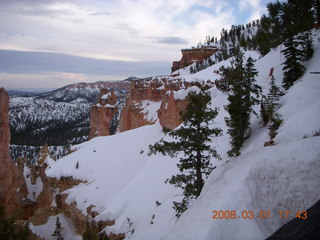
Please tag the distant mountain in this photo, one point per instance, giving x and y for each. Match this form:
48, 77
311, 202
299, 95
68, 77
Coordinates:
84, 92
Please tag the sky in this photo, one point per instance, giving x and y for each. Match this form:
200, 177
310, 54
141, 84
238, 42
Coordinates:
52, 43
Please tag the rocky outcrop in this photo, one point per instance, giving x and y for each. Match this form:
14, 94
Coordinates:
141, 93
192, 55
102, 114
169, 112
12, 186
157, 98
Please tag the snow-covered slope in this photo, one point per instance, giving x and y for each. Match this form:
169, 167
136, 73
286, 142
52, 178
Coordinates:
124, 183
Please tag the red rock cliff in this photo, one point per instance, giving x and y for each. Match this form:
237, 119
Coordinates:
12, 185
141, 93
170, 108
102, 114
156, 97
192, 55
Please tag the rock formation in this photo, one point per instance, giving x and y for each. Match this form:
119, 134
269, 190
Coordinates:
152, 99
132, 115
170, 108
12, 186
192, 55
102, 114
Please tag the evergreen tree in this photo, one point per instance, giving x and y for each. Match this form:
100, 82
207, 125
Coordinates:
298, 43
269, 34
58, 230
90, 233
293, 68
192, 140
241, 101
272, 118
9, 230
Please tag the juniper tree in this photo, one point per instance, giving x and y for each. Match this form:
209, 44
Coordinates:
193, 140
241, 101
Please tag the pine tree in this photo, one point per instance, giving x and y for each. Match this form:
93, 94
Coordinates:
241, 101
293, 68
58, 230
192, 139
90, 233
298, 43
272, 118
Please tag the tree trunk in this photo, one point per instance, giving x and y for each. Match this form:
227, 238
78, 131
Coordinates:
199, 181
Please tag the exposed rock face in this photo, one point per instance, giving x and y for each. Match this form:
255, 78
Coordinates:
102, 114
152, 99
192, 55
12, 185
132, 115
170, 108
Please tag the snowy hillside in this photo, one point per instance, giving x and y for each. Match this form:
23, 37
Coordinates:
125, 184
84, 92
36, 121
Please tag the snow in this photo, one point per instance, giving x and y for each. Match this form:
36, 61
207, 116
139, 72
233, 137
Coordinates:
106, 96
183, 93
123, 182
45, 230
33, 189
150, 109
106, 106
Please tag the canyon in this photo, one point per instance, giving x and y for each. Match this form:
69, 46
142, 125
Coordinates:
157, 98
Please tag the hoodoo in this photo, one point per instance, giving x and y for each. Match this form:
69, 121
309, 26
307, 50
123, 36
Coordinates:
102, 114
192, 55
12, 185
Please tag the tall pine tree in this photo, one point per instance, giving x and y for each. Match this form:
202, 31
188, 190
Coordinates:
241, 100
192, 139
293, 68
270, 116
298, 19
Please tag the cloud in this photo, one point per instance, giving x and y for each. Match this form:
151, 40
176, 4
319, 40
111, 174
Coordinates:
19, 62
101, 14
114, 38
170, 40
118, 30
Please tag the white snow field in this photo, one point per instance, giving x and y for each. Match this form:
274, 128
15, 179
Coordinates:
124, 183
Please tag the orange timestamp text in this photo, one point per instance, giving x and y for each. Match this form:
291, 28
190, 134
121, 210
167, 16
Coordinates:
249, 214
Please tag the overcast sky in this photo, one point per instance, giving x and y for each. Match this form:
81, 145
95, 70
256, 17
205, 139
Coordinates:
51, 43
